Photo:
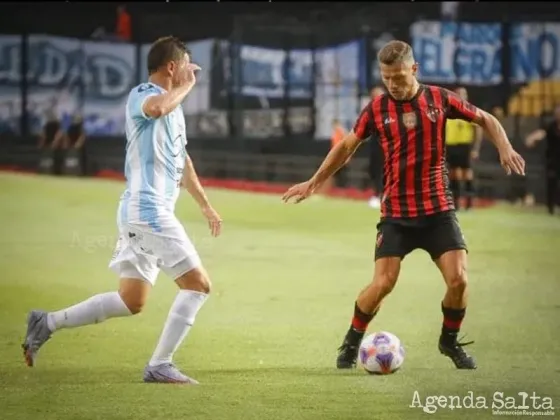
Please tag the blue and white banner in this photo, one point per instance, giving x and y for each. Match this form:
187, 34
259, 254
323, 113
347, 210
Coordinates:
300, 74
535, 51
337, 86
198, 99
267, 72
464, 53
109, 73
262, 71
54, 80
10, 84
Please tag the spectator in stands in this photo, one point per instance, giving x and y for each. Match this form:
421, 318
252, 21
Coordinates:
52, 136
75, 140
51, 144
463, 141
375, 167
124, 24
551, 133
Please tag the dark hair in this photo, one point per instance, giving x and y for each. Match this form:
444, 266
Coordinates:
395, 52
164, 50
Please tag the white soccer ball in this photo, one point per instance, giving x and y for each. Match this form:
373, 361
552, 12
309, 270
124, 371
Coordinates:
381, 353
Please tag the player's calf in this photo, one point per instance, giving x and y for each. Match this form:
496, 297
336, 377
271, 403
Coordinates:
453, 307
194, 285
469, 188
455, 186
96, 309
365, 309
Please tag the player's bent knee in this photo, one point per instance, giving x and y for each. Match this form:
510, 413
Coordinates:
457, 280
134, 293
196, 279
134, 304
385, 283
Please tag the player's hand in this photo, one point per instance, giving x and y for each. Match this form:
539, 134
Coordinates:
474, 154
299, 192
529, 143
190, 76
512, 161
214, 220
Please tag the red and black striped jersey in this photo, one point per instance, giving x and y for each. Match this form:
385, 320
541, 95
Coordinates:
412, 136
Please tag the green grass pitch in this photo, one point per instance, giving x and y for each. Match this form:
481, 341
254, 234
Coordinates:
284, 283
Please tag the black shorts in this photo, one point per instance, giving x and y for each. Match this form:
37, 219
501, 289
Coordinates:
459, 156
436, 234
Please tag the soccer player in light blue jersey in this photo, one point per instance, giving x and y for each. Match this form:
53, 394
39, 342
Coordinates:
150, 236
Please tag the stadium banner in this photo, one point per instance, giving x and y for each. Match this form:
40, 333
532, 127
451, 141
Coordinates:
299, 74
337, 86
262, 71
266, 72
54, 80
109, 73
262, 79
535, 51
10, 80
463, 53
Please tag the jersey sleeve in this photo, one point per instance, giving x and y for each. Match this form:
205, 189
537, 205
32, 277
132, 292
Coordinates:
459, 109
364, 126
137, 98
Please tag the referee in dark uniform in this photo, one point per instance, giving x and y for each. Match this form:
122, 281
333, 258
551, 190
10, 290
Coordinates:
463, 140
550, 133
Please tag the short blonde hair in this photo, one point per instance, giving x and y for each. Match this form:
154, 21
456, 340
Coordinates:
395, 52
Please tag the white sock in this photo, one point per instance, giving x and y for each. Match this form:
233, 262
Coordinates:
179, 321
96, 309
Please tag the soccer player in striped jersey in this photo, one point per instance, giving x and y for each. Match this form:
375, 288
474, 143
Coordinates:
151, 238
417, 209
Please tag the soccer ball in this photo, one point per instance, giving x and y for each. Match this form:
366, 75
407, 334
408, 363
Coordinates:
381, 353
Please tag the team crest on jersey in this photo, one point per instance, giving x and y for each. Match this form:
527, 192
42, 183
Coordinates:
409, 120
432, 114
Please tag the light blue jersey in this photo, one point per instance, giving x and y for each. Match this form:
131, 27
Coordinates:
154, 163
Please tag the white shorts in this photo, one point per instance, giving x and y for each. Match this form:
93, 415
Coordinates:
141, 252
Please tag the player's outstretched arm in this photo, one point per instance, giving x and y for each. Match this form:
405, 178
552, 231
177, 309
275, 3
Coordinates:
157, 106
338, 156
510, 160
458, 108
336, 159
194, 187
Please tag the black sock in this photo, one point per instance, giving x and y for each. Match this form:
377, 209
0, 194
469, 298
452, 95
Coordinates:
452, 319
469, 192
456, 191
358, 327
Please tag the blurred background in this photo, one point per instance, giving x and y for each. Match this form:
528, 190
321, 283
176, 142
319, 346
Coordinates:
275, 79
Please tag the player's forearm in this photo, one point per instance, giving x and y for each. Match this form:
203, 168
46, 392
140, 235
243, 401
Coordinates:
336, 159
494, 130
160, 105
192, 184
